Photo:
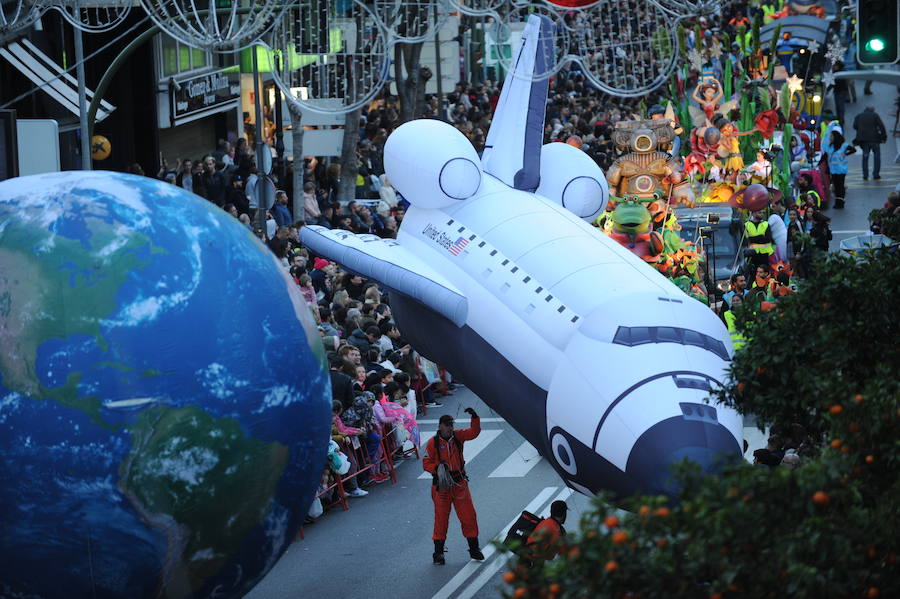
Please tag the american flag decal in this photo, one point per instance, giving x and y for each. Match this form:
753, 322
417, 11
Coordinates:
458, 246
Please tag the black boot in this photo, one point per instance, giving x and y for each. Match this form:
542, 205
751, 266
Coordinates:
838, 203
438, 555
474, 551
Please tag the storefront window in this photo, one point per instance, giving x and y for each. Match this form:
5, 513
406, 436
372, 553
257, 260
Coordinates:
177, 58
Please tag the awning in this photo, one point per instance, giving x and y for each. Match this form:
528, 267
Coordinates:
49, 76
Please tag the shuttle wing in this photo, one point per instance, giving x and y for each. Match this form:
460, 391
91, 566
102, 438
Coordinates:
387, 261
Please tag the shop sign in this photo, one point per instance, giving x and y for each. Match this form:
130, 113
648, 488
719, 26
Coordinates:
205, 92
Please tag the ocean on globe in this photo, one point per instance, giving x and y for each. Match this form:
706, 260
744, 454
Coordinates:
164, 399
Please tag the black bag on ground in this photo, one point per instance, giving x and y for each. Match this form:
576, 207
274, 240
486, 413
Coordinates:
522, 529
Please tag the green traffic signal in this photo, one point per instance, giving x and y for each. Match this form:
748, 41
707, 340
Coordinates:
875, 45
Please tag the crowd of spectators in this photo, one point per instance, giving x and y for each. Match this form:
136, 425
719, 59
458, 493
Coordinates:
368, 357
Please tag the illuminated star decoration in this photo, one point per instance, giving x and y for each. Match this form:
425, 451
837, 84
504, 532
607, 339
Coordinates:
695, 59
836, 53
794, 83
828, 79
813, 46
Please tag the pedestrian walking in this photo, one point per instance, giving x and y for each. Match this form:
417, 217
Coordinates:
445, 462
870, 134
837, 150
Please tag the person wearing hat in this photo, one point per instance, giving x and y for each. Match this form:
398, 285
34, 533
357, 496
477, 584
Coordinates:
445, 462
321, 275
545, 541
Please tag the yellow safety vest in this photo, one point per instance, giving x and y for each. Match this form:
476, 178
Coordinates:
756, 236
737, 339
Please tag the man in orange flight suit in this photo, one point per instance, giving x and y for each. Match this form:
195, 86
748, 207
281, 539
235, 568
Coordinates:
545, 541
450, 487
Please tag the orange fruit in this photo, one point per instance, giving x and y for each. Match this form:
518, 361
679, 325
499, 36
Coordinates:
611, 566
872, 553
741, 386
555, 589
836, 409
760, 370
858, 398
836, 444
716, 596
820, 498
509, 577
574, 552
854, 427
611, 522
870, 459
591, 534
644, 510
619, 537
661, 542
520, 592
872, 593
662, 512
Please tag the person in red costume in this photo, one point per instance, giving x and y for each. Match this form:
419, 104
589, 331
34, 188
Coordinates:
450, 486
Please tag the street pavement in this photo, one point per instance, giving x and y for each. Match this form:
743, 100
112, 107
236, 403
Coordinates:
865, 196
381, 546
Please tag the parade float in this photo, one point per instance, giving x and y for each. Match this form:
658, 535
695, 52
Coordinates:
734, 136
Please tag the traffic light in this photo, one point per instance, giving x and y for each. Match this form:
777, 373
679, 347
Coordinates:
877, 31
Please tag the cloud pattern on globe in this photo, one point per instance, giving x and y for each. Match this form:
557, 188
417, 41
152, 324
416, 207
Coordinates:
164, 399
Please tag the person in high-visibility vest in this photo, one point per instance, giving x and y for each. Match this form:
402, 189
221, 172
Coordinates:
759, 238
450, 486
737, 339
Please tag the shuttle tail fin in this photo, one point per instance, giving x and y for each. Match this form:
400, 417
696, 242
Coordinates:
512, 151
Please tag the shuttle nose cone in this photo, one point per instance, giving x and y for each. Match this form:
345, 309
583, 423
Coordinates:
667, 443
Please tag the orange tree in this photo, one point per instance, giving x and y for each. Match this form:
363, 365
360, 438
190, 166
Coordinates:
828, 359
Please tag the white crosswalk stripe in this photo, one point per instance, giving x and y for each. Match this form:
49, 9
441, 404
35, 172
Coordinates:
519, 463
474, 447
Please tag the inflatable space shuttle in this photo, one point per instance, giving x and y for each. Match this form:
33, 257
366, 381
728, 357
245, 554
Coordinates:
594, 357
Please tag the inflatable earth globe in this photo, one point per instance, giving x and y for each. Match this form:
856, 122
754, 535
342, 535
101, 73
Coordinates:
164, 401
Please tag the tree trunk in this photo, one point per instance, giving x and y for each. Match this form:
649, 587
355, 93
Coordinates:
299, 166
409, 88
349, 165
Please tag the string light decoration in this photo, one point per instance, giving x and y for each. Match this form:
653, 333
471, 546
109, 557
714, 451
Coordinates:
561, 42
331, 51
626, 48
410, 21
93, 16
17, 15
216, 25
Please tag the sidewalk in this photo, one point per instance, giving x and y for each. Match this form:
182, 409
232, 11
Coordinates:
865, 196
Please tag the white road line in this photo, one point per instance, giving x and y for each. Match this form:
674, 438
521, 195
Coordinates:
483, 420
454, 583
490, 569
475, 446
848, 232
519, 463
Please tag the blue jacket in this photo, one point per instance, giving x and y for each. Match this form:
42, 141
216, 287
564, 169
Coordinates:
281, 214
837, 158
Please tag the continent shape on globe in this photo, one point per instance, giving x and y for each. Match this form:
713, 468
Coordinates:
164, 400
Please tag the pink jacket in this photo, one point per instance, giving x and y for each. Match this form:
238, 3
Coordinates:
343, 428
309, 294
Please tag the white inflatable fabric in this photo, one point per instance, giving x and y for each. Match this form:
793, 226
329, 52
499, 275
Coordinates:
779, 235
593, 356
